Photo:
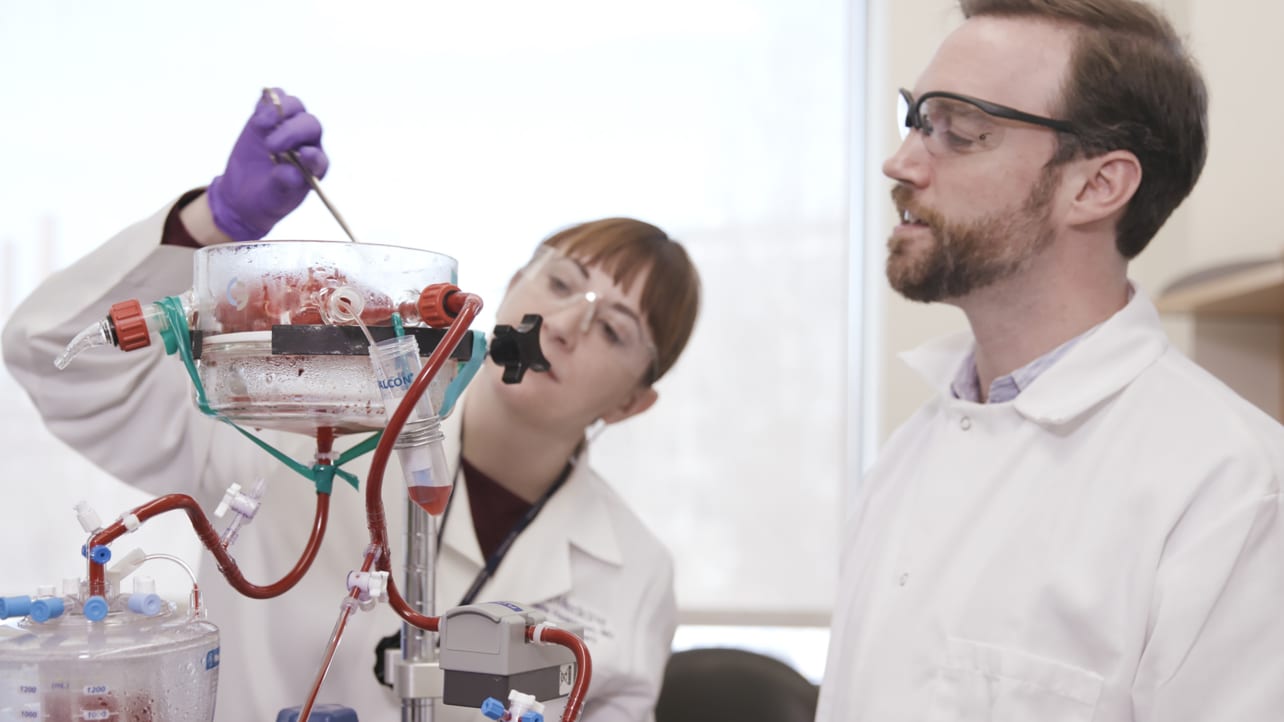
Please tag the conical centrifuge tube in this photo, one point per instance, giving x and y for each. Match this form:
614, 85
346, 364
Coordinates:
419, 445
129, 325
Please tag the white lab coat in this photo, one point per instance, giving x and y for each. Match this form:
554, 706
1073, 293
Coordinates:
1108, 546
586, 558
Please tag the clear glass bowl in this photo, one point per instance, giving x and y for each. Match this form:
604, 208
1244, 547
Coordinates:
277, 331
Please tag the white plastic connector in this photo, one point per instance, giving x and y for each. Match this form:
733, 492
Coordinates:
373, 587
245, 506
88, 518
48, 590
144, 585
519, 703
131, 522
537, 633
229, 497
125, 566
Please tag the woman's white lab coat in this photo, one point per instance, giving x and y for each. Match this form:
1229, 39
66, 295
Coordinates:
1108, 546
586, 558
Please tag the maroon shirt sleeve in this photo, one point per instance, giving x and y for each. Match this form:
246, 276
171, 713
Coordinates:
175, 233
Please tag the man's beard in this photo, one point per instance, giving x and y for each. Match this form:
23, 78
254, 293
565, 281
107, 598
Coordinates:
965, 257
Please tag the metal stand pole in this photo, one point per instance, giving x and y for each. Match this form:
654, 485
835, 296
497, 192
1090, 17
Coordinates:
418, 674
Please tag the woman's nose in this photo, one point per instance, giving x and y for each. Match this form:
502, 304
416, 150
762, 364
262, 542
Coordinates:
567, 323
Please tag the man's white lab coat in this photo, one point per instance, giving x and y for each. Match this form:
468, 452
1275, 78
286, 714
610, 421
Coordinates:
585, 559
1108, 546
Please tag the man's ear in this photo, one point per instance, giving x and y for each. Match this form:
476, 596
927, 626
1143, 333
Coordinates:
1105, 185
639, 400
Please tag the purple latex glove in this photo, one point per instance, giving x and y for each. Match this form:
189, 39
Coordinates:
257, 189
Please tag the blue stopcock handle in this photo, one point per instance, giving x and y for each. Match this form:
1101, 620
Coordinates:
532, 717
99, 554
493, 708
42, 610
96, 609
14, 607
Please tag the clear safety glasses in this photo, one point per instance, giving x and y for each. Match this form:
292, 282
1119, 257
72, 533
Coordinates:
953, 124
556, 283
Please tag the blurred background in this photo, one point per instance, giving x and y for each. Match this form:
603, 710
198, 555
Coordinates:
752, 130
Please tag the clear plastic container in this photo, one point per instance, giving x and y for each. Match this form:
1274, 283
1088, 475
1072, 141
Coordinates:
278, 326
128, 667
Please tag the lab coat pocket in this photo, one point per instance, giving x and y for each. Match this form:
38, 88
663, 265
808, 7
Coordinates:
986, 683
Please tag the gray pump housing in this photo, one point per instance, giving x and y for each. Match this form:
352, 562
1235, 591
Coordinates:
484, 653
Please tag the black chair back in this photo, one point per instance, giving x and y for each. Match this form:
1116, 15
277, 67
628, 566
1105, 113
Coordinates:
705, 685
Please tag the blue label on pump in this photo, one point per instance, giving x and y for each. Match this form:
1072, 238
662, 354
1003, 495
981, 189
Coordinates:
211, 658
511, 606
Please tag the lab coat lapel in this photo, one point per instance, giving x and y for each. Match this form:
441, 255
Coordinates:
459, 534
575, 521
1101, 364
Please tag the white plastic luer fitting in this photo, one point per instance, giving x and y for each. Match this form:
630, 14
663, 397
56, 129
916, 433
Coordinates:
88, 518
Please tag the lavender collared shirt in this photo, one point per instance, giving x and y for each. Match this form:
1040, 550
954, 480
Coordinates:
967, 385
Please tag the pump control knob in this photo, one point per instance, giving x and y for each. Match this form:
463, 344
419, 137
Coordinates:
129, 326
517, 348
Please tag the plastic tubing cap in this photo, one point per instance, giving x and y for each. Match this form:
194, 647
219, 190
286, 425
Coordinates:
14, 607
42, 610
131, 329
432, 305
100, 554
493, 708
96, 609
532, 717
146, 604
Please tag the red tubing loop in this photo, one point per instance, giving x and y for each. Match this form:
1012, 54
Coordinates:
209, 537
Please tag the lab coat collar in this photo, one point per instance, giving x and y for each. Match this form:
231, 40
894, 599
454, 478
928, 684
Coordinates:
1099, 366
538, 566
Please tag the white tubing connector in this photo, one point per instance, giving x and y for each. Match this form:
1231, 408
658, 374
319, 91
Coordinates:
373, 587
88, 518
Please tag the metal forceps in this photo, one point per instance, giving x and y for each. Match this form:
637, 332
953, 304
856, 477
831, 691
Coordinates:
293, 158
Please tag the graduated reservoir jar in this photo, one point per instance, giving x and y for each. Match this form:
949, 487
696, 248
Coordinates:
125, 668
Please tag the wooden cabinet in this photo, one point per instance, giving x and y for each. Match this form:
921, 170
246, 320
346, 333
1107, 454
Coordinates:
1238, 333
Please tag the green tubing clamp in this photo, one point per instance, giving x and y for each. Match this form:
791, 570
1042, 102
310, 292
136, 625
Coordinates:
466, 373
322, 475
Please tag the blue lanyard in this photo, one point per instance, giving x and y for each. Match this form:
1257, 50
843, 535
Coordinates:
497, 556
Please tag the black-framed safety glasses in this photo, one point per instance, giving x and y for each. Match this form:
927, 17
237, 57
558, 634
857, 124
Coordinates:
954, 124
